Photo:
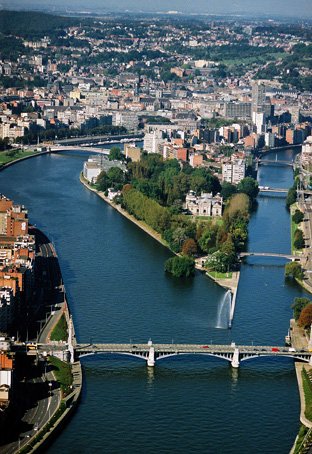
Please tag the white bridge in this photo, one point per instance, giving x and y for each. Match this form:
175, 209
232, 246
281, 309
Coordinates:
155, 352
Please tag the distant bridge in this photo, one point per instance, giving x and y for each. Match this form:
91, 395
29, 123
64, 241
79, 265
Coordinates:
268, 189
87, 149
272, 161
268, 254
91, 140
154, 352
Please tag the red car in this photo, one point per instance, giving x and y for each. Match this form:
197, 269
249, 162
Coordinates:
205, 346
275, 349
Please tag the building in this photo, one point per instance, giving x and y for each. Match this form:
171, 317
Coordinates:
196, 159
7, 308
269, 139
204, 205
152, 141
132, 152
6, 373
306, 153
258, 96
233, 172
96, 164
240, 110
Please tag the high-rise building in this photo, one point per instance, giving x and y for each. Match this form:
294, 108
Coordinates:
233, 172
258, 96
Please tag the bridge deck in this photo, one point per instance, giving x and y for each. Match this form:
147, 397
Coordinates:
188, 348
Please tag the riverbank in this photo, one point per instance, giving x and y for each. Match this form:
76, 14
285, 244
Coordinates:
23, 158
227, 283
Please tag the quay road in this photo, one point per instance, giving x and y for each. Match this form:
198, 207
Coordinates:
39, 412
307, 234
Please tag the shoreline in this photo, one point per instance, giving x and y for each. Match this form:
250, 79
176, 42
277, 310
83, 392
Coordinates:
228, 284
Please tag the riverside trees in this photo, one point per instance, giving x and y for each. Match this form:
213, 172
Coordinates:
153, 191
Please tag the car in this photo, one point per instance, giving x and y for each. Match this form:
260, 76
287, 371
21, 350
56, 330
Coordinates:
291, 349
275, 349
205, 346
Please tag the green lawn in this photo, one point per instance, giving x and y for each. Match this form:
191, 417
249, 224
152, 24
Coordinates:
12, 155
307, 388
62, 373
60, 331
302, 433
217, 275
254, 59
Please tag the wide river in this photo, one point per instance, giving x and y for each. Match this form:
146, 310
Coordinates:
118, 291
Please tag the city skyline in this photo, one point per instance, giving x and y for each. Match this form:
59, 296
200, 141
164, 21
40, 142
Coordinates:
300, 8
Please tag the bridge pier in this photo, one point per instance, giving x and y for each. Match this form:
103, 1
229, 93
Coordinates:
151, 355
235, 359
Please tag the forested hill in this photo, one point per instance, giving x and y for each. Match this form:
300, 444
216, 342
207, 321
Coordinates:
31, 24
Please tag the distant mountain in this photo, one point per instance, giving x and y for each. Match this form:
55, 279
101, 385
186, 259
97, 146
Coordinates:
27, 23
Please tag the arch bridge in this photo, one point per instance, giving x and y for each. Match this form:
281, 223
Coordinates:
155, 352
269, 254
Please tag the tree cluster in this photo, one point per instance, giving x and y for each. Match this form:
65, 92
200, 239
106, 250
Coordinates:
180, 266
294, 270
153, 191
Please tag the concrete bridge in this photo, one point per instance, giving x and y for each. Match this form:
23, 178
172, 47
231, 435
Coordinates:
84, 148
268, 189
269, 254
155, 352
273, 161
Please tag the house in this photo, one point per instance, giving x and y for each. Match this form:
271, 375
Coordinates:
204, 205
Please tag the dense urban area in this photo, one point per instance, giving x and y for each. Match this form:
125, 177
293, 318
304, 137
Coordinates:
192, 107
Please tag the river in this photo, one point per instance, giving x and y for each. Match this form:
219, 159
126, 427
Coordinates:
118, 291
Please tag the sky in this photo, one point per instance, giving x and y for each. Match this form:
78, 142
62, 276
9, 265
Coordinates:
298, 8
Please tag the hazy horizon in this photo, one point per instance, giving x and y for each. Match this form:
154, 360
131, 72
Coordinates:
291, 8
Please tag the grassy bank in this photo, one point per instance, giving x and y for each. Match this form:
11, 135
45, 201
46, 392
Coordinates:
13, 155
60, 331
307, 388
63, 373
216, 275
301, 435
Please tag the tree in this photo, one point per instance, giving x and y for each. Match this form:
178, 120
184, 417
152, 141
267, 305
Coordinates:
220, 261
180, 266
298, 305
297, 217
305, 318
248, 186
298, 239
294, 270
115, 154
227, 190
189, 247
291, 197
116, 176
208, 239
102, 181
